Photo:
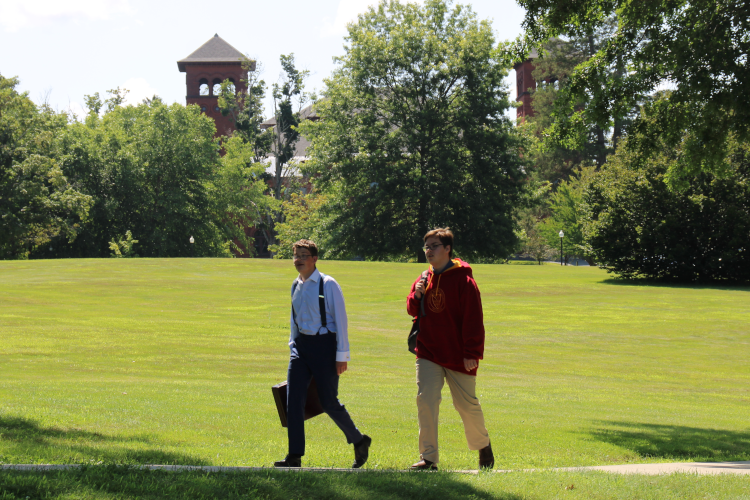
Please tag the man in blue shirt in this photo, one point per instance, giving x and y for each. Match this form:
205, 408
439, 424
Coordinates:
319, 348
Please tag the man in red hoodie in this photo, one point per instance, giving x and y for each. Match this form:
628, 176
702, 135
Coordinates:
449, 346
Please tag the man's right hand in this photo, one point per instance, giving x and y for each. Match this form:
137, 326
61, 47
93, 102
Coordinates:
419, 289
470, 364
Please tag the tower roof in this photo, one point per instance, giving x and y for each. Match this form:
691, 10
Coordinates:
215, 50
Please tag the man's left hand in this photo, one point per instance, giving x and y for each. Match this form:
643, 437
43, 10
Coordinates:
340, 367
469, 364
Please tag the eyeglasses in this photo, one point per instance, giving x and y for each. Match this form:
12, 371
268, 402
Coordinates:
433, 247
302, 257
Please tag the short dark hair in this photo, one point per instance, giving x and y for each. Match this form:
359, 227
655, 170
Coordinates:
308, 245
445, 235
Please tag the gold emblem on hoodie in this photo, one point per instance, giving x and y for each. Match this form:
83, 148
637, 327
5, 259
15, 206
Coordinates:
436, 298
436, 301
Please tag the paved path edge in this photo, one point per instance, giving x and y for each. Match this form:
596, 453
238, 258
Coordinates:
645, 469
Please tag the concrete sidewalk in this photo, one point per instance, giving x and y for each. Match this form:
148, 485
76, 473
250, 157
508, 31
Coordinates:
655, 469
646, 469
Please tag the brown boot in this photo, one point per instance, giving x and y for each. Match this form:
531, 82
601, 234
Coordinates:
486, 458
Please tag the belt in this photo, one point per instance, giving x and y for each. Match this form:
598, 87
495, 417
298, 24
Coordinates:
318, 333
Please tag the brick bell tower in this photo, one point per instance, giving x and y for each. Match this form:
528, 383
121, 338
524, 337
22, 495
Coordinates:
525, 86
213, 62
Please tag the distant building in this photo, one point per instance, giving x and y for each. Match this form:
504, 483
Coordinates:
212, 63
300, 148
205, 69
525, 86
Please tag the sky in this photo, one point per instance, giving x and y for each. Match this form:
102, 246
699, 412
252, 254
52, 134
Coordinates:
62, 50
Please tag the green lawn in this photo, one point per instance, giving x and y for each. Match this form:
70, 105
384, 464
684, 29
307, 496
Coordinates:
171, 361
110, 483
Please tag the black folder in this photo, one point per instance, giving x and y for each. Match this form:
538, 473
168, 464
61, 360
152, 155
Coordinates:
312, 405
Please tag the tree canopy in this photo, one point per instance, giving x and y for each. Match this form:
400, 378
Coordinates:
145, 167
37, 201
127, 180
698, 47
635, 226
552, 160
246, 108
413, 135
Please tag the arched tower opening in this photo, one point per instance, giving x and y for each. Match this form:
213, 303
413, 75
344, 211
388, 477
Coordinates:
203, 87
216, 87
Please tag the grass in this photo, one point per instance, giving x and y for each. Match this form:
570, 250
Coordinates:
171, 361
110, 483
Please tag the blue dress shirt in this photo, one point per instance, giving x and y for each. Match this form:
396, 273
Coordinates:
307, 306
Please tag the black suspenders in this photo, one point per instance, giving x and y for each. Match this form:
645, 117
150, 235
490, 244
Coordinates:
321, 304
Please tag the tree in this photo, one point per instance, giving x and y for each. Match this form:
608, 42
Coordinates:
534, 244
566, 214
698, 46
635, 226
150, 170
238, 192
552, 160
303, 220
246, 109
412, 135
37, 202
279, 141
289, 98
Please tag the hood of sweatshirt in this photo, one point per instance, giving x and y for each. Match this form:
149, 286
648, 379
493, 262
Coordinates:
459, 267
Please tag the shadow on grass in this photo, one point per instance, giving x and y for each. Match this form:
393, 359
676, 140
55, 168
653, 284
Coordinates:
676, 442
111, 481
740, 287
26, 440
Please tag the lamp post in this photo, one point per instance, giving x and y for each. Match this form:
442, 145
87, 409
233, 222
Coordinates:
192, 246
561, 247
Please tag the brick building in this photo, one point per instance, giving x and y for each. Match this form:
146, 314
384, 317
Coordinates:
212, 63
205, 69
525, 86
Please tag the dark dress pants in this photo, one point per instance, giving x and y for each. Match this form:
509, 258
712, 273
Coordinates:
314, 356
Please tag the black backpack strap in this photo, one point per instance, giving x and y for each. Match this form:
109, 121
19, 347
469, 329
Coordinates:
294, 314
322, 303
421, 301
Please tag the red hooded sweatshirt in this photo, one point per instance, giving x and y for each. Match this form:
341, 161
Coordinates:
452, 327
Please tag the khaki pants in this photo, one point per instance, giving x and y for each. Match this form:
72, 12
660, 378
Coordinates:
430, 379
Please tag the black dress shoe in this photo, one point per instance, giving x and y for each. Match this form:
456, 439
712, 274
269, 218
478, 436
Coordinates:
486, 457
290, 461
424, 465
361, 451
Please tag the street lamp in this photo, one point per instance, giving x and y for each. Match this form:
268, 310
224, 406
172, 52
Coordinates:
561, 248
192, 248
